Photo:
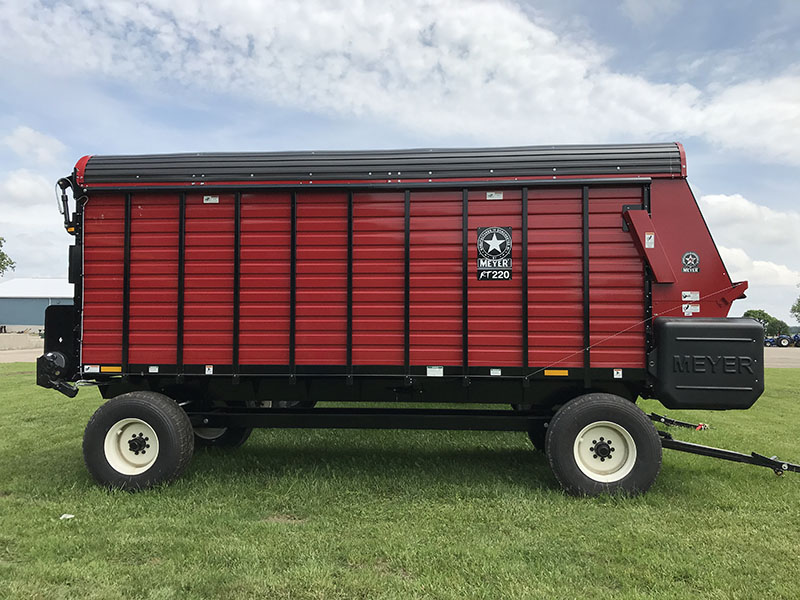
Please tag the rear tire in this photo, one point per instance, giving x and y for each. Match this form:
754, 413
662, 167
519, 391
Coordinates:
221, 437
603, 444
137, 440
537, 434
783, 343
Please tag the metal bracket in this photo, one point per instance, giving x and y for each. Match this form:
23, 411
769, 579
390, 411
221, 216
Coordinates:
669, 422
629, 207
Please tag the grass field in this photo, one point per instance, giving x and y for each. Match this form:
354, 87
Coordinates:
377, 514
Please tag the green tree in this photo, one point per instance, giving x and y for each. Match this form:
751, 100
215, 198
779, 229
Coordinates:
772, 325
795, 310
777, 327
5, 262
761, 316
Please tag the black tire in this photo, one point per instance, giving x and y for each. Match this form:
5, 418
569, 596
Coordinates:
783, 343
634, 467
797, 344
221, 437
141, 414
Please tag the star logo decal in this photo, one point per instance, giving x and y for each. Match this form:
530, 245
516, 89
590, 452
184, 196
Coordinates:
494, 244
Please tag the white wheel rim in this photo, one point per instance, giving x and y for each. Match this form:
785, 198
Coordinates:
604, 451
210, 433
131, 446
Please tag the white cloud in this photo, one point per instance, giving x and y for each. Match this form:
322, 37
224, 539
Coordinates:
33, 146
31, 225
472, 70
739, 222
772, 286
759, 273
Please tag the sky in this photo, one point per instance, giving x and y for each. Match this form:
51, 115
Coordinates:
109, 77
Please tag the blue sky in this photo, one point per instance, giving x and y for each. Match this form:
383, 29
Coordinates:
97, 77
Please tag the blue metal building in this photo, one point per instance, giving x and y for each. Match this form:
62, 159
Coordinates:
24, 300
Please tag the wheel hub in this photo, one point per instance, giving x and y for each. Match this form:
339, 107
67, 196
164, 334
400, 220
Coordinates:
601, 449
131, 446
138, 443
604, 451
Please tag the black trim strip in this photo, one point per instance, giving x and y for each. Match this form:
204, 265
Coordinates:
587, 338
181, 277
237, 252
451, 373
648, 285
399, 185
126, 285
350, 285
293, 286
465, 283
407, 285
525, 323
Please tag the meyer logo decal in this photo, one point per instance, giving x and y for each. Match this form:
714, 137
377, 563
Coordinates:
494, 253
700, 363
691, 262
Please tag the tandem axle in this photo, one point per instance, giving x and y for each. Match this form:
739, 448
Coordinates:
448, 419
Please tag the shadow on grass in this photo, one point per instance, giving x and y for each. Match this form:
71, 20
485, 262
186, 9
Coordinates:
467, 467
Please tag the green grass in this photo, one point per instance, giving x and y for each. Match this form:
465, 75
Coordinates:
397, 514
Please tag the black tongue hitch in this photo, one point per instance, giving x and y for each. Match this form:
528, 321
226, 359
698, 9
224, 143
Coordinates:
50, 372
778, 466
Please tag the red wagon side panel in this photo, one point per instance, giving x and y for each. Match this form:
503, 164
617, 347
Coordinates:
265, 278
616, 282
436, 298
208, 280
154, 278
378, 278
321, 278
495, 306
555, 266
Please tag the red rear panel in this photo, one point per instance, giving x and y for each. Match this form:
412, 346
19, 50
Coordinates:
103, 243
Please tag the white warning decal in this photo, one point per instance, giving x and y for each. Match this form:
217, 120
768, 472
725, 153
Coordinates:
690, 309
649, 239
494, 195
690, 296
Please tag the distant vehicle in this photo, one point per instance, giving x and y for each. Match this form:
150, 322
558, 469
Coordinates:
782, 340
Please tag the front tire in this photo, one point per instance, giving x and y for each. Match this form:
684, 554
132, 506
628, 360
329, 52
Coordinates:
137, 440
603, 444
783, 343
